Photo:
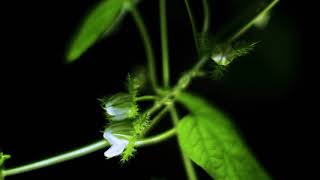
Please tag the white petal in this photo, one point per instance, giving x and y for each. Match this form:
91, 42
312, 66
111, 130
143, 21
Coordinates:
115, 150
114, 111
117, 145
111, 110
110, 138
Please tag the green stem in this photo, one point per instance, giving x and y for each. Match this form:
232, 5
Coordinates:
146, 98
206, 16
164, 44
156, 139
194, 30
57, 159
183, 83
191, 173
83, 151
249, 24
156, 120
198, 66
147, 44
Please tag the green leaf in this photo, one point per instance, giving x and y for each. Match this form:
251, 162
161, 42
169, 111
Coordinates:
246, 19
208, 137
100, 20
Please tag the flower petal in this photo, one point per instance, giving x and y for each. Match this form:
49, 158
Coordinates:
115, 150
114, 111
110, 138
117, 145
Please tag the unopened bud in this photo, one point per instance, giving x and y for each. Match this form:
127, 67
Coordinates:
120, 107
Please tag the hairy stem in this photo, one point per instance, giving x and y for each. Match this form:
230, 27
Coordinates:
84, 151
191, 174
164, 43
147, 44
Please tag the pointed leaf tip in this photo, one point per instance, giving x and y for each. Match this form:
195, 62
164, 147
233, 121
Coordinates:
100, 20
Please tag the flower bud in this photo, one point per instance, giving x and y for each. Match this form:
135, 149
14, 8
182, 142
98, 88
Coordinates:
120, 107
220, 59
221, 55
225, 54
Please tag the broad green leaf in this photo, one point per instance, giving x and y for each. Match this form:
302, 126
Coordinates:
208, 138
247, 18
100, 20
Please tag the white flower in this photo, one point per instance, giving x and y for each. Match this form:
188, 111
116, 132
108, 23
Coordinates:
117, 143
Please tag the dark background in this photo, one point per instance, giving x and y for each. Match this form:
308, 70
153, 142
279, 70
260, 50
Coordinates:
48, 107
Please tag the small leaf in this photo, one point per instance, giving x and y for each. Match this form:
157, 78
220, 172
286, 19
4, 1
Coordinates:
208, 138
99, 21
246, 19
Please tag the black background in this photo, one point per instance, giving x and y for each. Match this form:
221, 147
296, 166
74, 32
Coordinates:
48, 106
